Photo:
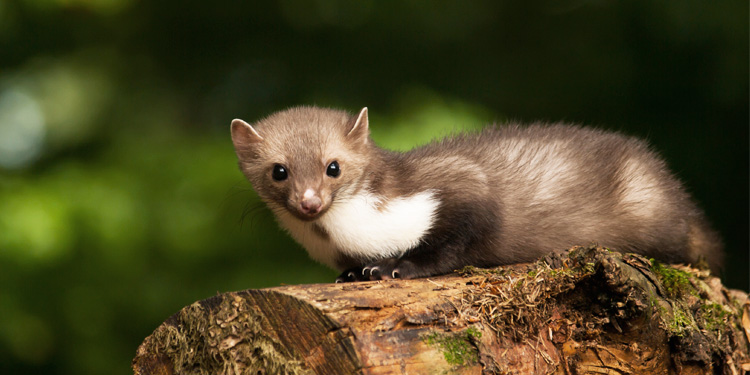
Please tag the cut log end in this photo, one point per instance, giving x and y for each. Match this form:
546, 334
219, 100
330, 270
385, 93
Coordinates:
586, 311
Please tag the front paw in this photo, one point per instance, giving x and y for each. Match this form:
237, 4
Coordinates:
389, 268
352, 274
366, 273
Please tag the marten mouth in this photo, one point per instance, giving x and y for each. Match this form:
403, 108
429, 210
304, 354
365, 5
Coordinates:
307, 216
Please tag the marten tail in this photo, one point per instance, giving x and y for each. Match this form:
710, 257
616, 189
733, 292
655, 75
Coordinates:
705, 245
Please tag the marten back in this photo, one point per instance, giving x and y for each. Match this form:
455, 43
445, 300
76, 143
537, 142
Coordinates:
560, 185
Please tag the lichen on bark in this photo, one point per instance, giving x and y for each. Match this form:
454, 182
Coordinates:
227, 339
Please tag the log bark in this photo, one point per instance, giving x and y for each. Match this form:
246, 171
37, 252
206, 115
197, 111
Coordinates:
586, 311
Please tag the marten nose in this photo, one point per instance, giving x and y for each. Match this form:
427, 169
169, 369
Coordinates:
310, 206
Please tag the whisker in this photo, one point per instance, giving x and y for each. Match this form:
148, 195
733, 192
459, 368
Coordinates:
252, 207
251, 210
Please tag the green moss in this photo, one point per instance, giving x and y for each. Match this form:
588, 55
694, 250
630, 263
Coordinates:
675, 282
469, 270
457, 348
680, 321
473, 333
676, 321
562, 272
713, 316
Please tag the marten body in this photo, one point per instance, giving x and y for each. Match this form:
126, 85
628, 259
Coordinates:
505, 195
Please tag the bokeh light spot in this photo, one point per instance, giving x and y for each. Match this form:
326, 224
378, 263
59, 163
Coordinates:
22, 129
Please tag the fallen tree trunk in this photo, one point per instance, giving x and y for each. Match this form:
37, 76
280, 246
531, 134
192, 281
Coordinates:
588, 311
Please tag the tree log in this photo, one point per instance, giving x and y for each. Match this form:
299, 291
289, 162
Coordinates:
586, 311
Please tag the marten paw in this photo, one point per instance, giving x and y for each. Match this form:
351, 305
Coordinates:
390, 268
352, 274
384, 269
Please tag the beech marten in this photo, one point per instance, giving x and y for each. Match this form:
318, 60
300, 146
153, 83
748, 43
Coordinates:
504, 195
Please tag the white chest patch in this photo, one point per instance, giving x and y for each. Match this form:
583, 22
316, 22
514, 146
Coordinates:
366, 225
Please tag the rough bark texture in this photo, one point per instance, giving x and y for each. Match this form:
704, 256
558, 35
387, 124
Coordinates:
587, 311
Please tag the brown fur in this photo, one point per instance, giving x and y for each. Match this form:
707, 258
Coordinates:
507, 194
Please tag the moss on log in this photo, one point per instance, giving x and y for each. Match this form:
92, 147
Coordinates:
586, 311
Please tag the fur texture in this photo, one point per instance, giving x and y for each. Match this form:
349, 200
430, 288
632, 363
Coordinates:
507, 194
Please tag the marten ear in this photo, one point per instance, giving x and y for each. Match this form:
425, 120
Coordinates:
361, 128
244, 134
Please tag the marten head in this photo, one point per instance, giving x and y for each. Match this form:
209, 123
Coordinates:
303, 159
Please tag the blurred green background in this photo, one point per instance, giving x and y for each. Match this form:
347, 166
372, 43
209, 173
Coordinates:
120, 197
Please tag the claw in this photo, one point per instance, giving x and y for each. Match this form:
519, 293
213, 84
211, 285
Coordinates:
375, 272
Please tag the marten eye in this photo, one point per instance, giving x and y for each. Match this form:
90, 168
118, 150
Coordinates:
333, 169
279, 173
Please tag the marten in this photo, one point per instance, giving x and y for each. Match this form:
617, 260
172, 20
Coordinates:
506, 194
